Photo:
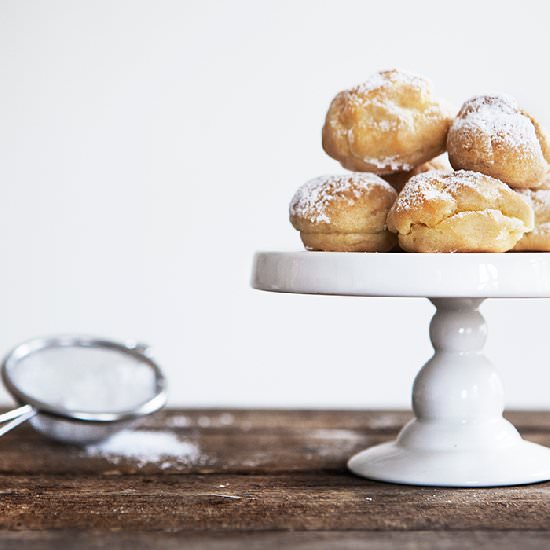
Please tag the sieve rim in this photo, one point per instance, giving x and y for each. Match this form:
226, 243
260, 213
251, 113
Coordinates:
137, 350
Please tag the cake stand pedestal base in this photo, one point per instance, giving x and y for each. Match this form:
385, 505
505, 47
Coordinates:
518, 464
459, 437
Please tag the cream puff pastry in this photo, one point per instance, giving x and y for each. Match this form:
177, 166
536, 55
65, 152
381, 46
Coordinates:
390, 123
459, 212
345, 213
492, 135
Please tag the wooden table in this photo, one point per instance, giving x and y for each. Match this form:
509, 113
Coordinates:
260, 479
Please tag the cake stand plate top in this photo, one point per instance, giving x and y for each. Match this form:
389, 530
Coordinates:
509, 275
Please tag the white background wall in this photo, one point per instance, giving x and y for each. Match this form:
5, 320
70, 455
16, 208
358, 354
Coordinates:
147, 148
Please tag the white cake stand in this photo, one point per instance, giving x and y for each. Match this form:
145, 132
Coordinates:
458, 437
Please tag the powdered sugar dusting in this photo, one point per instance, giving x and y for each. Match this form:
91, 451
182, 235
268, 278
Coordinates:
312, 200
443, 186
387, 79
536, 197
499, 119
420, 189
393, 162
146, 447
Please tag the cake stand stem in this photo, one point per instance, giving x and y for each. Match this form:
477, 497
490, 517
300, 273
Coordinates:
458, 436
458, 384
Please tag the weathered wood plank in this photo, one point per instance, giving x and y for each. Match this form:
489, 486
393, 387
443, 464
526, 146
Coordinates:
389, 421
311, 450
286, 502
297, 423
232, 420
254, 475
267, 540
318, 450
275, 421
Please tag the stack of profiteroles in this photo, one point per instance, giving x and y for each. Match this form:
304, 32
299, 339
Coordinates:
422, 180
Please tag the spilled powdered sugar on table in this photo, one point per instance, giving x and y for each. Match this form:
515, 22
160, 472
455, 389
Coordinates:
164, 449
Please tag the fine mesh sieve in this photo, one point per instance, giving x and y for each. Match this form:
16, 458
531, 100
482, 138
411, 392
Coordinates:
79, 389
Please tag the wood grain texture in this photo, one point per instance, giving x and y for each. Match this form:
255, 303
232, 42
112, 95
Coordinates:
240, 442
388, 421
254, 540
276, 502
262, 479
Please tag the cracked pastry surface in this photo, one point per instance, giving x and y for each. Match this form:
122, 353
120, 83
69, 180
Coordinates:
344, 213
390, 123
459, 212
492, 135
537, 240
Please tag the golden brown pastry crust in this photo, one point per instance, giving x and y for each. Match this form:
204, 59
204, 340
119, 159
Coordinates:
349, 242
459, 212
537, 240
344, 213
398, 180
545, 183
390, 123
492, 135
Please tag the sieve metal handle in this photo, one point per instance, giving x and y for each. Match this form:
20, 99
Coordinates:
13, 418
